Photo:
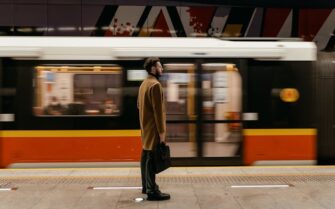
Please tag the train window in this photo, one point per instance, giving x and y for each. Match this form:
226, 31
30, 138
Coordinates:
78, 90
179, 83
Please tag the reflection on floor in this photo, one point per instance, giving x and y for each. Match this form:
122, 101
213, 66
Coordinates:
211, 149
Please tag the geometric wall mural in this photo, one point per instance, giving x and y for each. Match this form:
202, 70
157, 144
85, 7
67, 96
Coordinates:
168, 21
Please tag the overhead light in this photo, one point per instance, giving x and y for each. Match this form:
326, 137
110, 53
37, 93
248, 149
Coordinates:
25, 30
67, 28
199, 34
41, 29
89, 28
111, 28
152, 30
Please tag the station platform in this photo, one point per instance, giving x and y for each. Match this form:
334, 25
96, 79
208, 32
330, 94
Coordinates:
268, 187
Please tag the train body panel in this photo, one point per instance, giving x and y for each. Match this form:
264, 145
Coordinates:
70, 146
279, 145
210, 94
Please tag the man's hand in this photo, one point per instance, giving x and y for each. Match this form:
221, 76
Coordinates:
162, 138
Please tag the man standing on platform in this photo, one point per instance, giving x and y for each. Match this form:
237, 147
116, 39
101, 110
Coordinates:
150, 103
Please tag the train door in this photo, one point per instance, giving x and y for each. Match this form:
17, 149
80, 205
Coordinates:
179, 86
221, 110
203, 103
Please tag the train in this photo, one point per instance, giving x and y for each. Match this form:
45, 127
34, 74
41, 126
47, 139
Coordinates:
72, 100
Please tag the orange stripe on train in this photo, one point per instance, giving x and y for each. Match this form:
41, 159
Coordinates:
69, 146
279, 144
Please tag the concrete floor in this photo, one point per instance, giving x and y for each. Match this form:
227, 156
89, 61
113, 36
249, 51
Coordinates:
307, 187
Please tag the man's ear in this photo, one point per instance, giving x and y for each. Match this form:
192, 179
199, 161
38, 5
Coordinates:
153, 69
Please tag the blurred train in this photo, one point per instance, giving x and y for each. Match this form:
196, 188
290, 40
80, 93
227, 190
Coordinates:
241, 102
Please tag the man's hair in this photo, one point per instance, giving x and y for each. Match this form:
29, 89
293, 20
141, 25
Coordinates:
149, 62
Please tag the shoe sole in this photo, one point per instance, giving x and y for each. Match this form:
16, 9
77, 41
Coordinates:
149, 199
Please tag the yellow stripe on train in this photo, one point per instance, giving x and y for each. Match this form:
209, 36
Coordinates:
280, 132
71, 133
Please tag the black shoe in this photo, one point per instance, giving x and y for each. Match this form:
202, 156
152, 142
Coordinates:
157, 196
144, 191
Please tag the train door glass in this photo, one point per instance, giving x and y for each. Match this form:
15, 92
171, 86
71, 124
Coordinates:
179, 90
221, 107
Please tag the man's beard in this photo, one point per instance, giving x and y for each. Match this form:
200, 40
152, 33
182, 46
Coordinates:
157, 75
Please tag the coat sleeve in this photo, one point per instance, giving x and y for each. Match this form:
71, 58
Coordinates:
138, 97
157, 104
138, 105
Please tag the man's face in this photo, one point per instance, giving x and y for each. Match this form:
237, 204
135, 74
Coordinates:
159, 68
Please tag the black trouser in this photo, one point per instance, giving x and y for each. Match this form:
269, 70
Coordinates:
148, 172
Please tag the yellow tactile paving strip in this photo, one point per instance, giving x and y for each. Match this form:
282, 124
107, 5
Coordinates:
175, 175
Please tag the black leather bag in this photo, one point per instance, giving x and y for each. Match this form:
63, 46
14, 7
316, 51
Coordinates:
162, 157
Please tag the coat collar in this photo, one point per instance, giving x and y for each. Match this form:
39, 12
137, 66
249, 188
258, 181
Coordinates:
152, 77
